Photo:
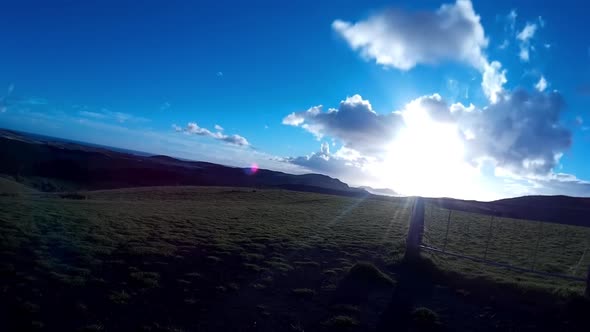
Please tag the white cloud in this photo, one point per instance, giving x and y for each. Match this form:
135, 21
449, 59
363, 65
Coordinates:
355, 123
3, 102
402, 40
165, 106
542, 84
494, 77
105, 114
525, 36
218, 127
511, 17
346, 164
524, 54
521, 133
194, 129
527, 32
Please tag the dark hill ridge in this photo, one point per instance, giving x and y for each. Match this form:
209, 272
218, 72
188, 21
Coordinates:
60, 165
92, 167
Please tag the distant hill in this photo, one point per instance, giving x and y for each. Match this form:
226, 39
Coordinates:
556, 209
380, 191
57, 165
560, 201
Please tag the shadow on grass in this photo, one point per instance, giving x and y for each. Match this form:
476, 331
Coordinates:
476, 303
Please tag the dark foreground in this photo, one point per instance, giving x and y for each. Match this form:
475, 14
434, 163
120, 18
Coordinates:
223, 259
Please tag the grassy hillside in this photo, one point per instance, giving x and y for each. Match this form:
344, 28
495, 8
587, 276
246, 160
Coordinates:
9, 187
211, 258
161, 256
544, 247
52, 165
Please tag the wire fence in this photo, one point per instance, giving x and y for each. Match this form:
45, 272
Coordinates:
542, 248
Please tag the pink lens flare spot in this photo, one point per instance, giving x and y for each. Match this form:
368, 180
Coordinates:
253, 168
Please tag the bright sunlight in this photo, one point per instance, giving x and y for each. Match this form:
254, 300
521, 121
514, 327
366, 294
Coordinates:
427, 158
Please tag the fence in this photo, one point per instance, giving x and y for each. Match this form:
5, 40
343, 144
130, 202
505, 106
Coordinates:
534, 247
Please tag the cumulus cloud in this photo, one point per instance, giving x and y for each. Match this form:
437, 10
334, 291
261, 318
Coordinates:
346, 164
233, 139
521, 133
192, 128
402, 40
355, 123
542, 84
524, 37
494, 77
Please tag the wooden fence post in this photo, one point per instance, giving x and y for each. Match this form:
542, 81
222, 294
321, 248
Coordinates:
587, 293
415, 230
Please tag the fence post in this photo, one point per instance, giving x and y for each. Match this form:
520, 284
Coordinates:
415, 230
485, 254
537, 246
447, 232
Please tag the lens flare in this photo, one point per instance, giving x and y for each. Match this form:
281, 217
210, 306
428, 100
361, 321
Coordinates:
253, 169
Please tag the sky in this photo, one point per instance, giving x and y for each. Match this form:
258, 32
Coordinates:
467, 99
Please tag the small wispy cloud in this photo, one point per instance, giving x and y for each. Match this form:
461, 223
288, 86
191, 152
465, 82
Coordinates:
3, 104
192, 128
106, 114
511, 18
219, 74
165, 106
525, 36
542, 84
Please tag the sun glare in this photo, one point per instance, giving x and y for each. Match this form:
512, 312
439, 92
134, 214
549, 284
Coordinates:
427, 158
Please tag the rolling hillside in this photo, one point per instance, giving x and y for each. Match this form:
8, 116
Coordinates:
59, 166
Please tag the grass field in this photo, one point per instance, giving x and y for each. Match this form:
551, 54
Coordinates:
206, 259
174, 253
545, 247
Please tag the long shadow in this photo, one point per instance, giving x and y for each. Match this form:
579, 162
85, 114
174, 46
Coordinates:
410, 287
476, 304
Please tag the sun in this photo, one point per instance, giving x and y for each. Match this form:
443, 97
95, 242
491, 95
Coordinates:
427, 158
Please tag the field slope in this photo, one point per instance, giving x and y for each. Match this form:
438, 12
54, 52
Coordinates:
234, 259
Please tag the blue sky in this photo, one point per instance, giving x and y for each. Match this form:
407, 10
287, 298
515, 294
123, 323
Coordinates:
160, 75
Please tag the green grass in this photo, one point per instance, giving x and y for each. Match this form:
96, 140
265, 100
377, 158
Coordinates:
8, 187
369, 274
156, 249
150, 256
545, 247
